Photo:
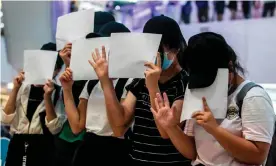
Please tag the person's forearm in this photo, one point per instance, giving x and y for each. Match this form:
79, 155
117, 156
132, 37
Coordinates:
183, 143
152, 93
11, 104
50, 109
115, 111
71, 110
240, 148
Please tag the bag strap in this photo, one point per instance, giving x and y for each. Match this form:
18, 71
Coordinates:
57, 94
42, 115
45, 129
119, 89
241, 95
91, 85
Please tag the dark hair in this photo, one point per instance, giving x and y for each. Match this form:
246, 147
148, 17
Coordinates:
59, 63
236, 66
177, 43
171, 35
233, 57
52, 47
211, 49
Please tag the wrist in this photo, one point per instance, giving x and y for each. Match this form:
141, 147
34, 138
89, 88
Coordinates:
153, 89
215, 130
171, 129
16, 88
67, 89
104, 80
47, 95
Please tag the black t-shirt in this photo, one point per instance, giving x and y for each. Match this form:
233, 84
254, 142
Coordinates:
35, 98
147, 144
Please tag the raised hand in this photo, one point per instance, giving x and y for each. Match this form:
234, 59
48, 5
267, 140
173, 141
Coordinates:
205, 118
99, 63
66, 79
17, 81
65, 54
166, 116
49, 87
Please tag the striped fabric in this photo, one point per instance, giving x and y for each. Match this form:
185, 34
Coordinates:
147, 145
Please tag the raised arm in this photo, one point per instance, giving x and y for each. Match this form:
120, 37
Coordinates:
152, 75
119, 114
53, 121
169, 118
9, 111
76, 116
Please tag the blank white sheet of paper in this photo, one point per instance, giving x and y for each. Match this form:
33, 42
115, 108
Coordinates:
39, 65
82, 52
216, 97
74, 26
130, 51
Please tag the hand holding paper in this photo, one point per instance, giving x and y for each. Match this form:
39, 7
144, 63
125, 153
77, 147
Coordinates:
205, 118
17, 81
66, 79
81, 53
216, 96
152, 73
48, 87
129, 52
39, 66
65, 54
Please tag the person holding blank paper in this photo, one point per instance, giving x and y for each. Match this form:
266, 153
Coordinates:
100, 142
244, 136
148, 145
30, 112
67, 141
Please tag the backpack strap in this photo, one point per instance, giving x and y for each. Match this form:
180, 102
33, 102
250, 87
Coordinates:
271, 159
57, 94
91, 85
241, 95
42, 115
45, 129
119, 89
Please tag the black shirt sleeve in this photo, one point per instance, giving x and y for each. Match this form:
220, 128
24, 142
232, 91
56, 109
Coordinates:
135, 86
180, 89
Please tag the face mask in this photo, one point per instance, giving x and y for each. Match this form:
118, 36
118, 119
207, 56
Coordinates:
166, 62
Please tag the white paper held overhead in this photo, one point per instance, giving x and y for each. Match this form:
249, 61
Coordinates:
73, 26
82, 52
39, 65
129, 52
216, 96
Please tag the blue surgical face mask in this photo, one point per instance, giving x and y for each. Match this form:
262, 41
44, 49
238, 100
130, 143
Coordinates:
166, 62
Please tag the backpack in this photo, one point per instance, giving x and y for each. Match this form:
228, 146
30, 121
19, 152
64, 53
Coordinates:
271, 161
119, 89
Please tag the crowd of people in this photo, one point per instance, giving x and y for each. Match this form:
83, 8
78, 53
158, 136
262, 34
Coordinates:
130, 121
247, 7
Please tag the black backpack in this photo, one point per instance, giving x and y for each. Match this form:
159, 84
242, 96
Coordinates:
271, 161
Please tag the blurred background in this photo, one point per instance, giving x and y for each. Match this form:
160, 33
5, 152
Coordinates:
248, 26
